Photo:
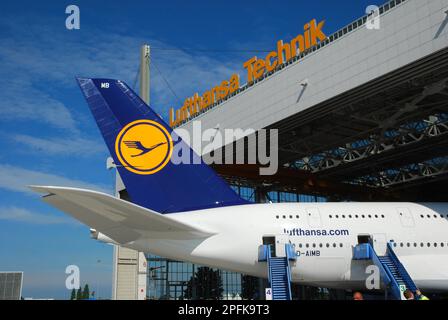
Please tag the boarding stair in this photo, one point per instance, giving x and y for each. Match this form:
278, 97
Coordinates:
393, 273
279, 270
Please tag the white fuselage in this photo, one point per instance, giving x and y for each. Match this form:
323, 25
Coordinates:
324, 235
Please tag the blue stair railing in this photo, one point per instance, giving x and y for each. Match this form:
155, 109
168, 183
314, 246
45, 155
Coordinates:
279, 273
392, 271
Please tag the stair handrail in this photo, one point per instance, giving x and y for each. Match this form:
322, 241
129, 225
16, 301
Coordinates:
288, 272
387, 276
402, 271
269, 265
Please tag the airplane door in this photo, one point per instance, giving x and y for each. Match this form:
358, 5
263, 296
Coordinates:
280, 241
313, 216
406, 217
379, 243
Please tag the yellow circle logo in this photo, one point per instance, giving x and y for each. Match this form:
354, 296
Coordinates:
144, 147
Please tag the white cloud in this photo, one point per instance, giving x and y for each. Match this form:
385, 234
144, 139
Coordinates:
48, 56
62, 146
17, 214
17, 179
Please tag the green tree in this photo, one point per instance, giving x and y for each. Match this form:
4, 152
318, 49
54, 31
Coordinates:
206, 283
86, 292
249, 287
73, 296
79, 294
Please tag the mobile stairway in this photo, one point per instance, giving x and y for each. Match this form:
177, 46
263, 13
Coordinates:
393, 273
279, 273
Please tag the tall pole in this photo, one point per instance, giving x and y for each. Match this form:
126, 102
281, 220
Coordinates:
144, 73
122, 254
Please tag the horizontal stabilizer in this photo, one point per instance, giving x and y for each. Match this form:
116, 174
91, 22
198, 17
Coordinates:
120, 220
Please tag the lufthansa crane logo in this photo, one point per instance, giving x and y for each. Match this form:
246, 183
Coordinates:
144, 147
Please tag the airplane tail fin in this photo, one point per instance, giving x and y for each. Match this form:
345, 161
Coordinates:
142, 146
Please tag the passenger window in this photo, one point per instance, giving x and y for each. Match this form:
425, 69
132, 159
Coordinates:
363, 216
382, 216
334, 245
328, 245
284, 217
276, 217
356, 216
350, 216
435, 245
297, 216
290, 217
341, 245
320, 245
343, 216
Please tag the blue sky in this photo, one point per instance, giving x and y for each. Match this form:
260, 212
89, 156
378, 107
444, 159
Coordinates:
47, 135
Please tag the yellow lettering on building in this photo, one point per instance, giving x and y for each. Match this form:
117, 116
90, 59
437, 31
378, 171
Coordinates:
256, 68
